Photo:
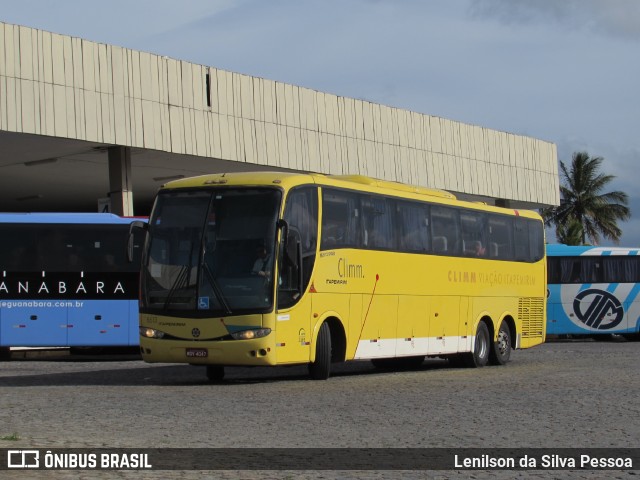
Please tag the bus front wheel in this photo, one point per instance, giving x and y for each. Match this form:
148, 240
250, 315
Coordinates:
501, 348
320, 369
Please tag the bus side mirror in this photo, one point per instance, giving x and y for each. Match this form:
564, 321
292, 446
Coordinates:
288, 240
134, 225
293, 255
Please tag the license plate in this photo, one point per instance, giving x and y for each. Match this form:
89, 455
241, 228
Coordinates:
197, 352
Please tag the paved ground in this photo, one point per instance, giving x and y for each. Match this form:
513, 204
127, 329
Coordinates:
560, 395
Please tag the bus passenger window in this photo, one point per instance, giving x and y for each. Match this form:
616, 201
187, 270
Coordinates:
473, 248
445, 223
377, 222
473, 233
439, 244
501, 237
339, 220
414, 227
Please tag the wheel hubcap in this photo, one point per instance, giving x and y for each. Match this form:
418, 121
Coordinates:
503, 342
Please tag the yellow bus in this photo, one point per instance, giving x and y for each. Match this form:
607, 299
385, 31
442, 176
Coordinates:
284, 268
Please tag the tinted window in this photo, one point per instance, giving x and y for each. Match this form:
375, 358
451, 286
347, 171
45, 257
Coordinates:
445, 230
576, 270
360, 220
473, 226
340, 211
67, 248
377, 220
536, 240
586, 269
501, 237
521, 239
413, 221
618, 269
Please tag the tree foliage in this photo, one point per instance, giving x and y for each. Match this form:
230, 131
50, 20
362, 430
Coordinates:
585, 213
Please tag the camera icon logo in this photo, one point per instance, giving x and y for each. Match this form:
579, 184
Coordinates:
23, 459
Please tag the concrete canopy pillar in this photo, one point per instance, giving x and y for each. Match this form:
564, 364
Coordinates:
120, 184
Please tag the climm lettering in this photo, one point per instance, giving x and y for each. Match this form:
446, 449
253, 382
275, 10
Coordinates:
490, 278
462, 277
349, 270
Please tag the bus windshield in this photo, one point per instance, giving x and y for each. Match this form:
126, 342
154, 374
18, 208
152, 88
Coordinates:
211, 252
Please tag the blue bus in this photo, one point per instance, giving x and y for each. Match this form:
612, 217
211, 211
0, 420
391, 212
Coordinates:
65, 280
593, 291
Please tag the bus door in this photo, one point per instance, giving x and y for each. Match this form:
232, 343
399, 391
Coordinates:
299, 242
293, 330
557, 320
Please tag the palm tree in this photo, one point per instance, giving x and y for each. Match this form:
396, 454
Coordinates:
583, 204
570, 234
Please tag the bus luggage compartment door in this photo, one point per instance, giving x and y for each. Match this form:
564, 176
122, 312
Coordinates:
99, 322
33, 326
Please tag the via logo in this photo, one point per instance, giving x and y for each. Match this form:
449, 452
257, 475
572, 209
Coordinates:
602, 311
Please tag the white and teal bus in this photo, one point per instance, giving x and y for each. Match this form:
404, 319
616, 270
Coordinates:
593, 291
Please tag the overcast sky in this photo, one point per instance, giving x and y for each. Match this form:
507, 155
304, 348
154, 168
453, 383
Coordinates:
565, 71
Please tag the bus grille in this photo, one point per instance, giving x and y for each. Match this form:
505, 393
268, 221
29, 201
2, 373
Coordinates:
531, 314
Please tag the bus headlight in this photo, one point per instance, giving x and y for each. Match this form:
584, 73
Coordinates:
249, 334
150, 332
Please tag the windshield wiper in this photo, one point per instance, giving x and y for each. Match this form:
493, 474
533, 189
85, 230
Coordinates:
179, 282
216, 289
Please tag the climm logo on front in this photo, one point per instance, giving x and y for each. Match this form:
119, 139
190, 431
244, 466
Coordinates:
601, 308
61, 285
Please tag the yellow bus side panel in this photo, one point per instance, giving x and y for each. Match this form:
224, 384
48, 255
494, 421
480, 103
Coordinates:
380, 317
294, 334
412, 331
324, 306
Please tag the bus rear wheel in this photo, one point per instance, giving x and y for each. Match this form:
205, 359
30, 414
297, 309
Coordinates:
501, 348
480, 355
215, 373
320, 369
